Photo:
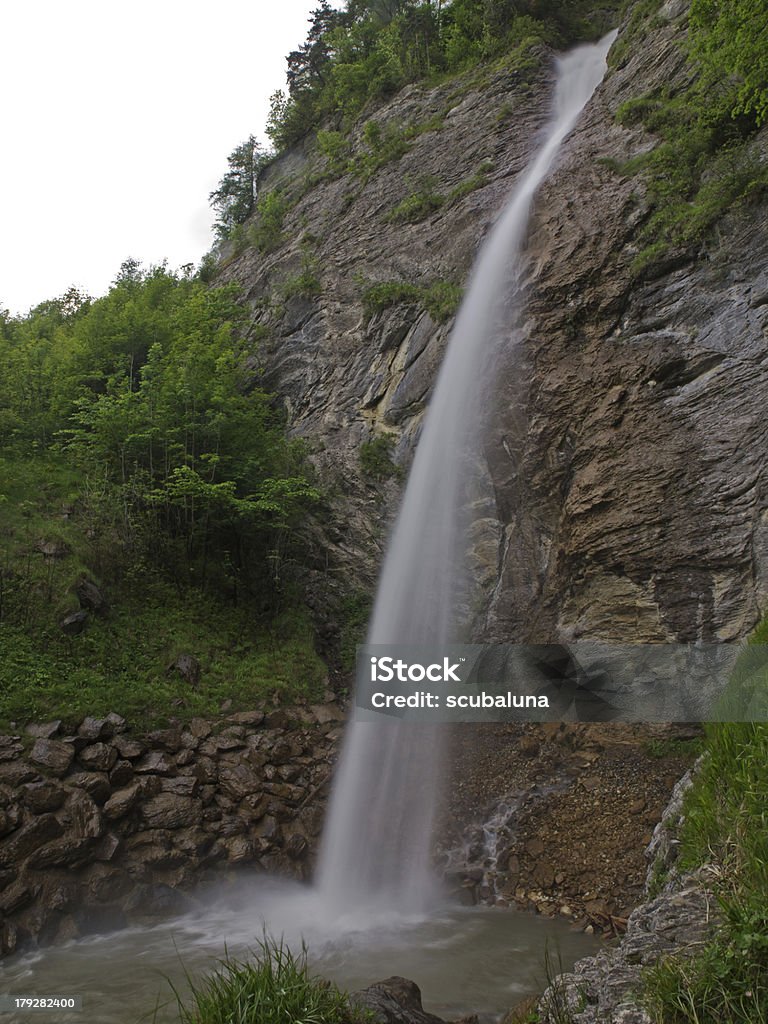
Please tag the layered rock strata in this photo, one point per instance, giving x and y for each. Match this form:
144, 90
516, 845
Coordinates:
626, 492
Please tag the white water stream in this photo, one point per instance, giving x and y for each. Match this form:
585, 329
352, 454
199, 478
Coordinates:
376, 847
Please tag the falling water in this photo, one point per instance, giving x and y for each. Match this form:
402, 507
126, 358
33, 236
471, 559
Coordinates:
376, 847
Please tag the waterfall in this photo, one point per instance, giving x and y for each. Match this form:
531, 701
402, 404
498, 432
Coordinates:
376, 844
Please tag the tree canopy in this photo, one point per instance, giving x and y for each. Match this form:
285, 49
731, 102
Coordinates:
235, 198
147, 391
369, 49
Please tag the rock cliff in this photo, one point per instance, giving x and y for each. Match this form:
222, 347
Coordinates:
627, 495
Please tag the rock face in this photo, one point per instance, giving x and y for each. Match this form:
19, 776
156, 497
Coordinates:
99, 826
626, 494
604, 989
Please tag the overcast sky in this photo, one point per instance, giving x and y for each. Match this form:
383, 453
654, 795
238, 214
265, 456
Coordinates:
117, 120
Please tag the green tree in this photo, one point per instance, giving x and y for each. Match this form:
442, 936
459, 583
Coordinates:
730, 39
235, 198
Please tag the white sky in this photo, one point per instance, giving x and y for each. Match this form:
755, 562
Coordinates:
116, 121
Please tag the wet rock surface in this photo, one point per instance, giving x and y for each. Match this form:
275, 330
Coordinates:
582, 803
99, 827
396, 1001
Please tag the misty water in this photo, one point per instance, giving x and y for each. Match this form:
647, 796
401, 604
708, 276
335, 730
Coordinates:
465, 959
377, 843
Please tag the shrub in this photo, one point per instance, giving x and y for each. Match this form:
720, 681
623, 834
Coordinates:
267, 232
389, 293
441, 299
704, 162
382, 146
418, 205
376, 459
335, 148
306, 282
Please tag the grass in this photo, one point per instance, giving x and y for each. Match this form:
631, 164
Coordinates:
725, 824
273, 988
662, 749
417, 206
426, 200
120, 662
441, 299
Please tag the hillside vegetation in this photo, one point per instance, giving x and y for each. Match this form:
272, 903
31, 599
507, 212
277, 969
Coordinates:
367, 50
150, 506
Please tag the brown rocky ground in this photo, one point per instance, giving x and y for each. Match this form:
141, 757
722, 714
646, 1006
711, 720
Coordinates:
587, 798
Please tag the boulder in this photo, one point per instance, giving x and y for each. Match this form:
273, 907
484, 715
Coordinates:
247, 718
238, 781
74, 623
10, 748
29, 838
43, 796
93, 729
183, 785
16, 897
85, 816
187, 666
168, 740
119, 724
155, 762
168, 811
200, 728
128, 748
95, 784
394, 1001
121, 802
53, 755
43, 730
68, 852
121, 774
98, 757
90, 596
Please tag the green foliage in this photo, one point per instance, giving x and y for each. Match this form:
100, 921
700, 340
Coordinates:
724, 824
354, 614
306, 282
273, 988
641, 18
379, 297
138, 452
335, 148
381, 146
681, 748
704, 162
422, 202
730, 42
123, 662
266, 233
235, 197
359, 55
478, 180
440, 298
376, 459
